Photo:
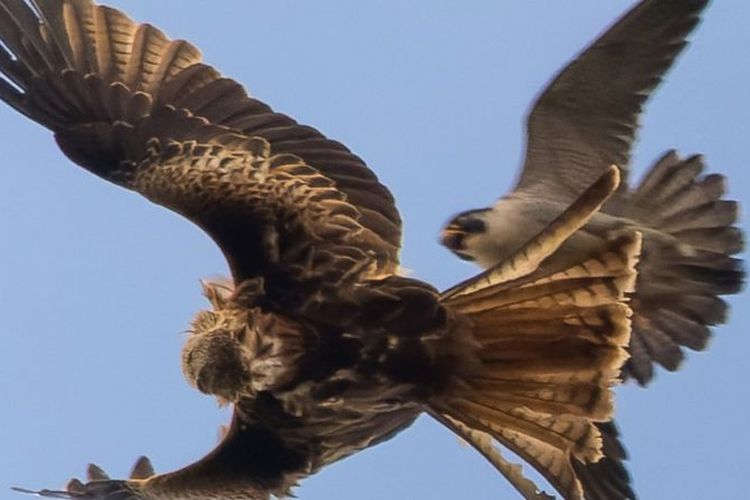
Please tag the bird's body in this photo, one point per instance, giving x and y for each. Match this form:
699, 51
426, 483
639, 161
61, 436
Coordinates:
319, 344
510, 221
585, 120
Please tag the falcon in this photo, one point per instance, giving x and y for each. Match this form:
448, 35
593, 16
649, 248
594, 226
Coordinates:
586, 120
322, 347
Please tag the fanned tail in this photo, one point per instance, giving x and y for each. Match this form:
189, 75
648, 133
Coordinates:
550, 348
548, 333
687, 262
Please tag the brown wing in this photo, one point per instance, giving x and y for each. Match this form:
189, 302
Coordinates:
587, 117
251, 462
106, 86
254, 460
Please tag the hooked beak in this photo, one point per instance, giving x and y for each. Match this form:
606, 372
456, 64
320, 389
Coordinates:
452, 237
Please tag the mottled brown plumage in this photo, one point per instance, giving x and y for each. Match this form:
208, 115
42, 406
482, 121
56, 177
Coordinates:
317, 342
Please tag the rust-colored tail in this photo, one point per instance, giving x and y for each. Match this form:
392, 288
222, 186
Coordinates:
549, 334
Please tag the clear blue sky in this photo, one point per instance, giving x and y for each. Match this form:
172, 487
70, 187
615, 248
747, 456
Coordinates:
98, 284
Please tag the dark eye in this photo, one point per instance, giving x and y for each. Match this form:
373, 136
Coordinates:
474, 226
452, 239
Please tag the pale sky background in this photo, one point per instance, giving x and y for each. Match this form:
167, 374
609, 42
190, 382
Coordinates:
98, 284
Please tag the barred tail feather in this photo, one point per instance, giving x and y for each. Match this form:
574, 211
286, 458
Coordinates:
550, 346
687, 262
483, 443
607, 479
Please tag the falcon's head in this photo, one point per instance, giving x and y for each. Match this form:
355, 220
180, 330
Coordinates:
462, 233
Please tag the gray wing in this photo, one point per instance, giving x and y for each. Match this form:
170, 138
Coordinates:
587, 117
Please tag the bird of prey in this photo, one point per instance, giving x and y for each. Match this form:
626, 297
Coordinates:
318, 343
585, 120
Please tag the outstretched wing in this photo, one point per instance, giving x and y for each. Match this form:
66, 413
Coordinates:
145, 112
587, 117
223, 473
255, 459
